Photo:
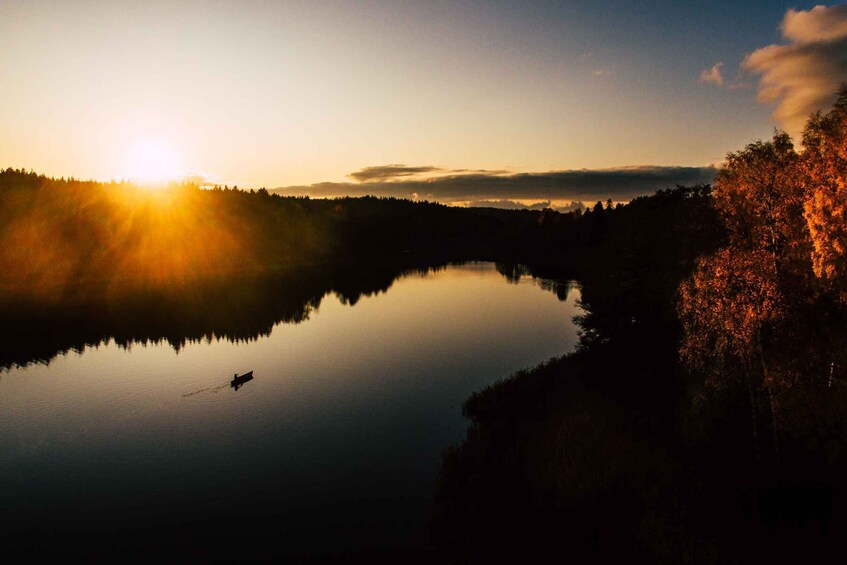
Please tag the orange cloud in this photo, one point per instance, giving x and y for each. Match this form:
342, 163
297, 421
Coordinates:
802, 76
712, 75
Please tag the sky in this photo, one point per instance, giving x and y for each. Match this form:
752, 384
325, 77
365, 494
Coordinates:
528, 98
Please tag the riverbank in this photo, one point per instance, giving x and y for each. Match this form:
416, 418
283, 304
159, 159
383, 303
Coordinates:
618, 451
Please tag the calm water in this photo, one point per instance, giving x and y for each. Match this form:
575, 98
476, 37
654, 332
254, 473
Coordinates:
334, 446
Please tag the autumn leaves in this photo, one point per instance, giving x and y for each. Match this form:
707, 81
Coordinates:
749, 308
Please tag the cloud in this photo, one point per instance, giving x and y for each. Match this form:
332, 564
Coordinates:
802, 76
620, 184
390, 172
820, 24
712, 75
482, 171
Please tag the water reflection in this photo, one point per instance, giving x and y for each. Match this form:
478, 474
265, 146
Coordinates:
333, 446
235, 309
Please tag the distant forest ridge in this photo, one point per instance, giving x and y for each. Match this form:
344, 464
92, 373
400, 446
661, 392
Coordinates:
56, 233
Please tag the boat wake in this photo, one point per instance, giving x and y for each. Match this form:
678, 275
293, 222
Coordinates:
210, 389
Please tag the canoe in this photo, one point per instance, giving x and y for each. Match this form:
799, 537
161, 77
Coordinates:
238, 380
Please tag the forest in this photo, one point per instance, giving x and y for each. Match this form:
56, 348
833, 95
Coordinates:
702, 418
57, 234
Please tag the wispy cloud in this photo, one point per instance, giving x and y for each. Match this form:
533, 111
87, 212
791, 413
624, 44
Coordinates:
390, 172
712, 75
802, 75
482, 171
619, 184
394, 172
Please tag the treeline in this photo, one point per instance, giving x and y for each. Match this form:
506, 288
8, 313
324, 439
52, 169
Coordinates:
56, 234
703, 418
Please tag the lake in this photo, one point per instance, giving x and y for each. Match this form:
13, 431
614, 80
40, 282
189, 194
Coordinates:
140, 444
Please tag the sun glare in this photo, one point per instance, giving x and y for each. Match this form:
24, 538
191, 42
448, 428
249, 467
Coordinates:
152, 162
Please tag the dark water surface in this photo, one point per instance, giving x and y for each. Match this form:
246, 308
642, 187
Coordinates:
333, 447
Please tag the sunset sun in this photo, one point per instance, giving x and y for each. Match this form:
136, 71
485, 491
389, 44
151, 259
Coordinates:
151, 161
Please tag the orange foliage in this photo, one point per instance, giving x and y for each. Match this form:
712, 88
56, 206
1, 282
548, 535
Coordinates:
786, 215
725, 303
825, 168
745, 287
758, 195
